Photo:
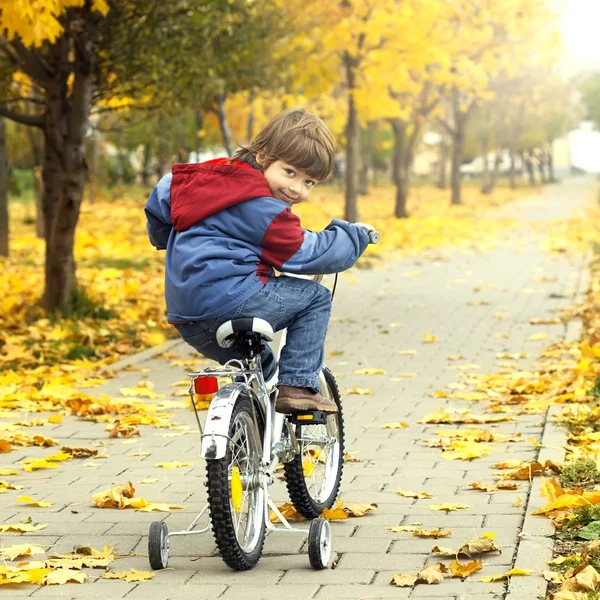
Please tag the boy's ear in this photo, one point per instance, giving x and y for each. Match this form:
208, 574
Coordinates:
260, 158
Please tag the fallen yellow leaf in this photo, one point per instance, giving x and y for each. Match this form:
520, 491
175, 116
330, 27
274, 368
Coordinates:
506, 575
31, 502
448, 506
129, 576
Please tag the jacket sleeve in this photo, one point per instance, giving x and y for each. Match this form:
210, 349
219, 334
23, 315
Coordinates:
158, 213
290, 248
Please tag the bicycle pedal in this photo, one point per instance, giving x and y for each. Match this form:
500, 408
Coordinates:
313, 417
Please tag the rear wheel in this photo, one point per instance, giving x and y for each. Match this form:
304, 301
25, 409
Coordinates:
235, 498
314, 476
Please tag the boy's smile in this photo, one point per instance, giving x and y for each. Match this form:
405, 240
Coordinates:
288, 183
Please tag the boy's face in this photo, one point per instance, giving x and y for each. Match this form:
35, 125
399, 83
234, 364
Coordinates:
288, 183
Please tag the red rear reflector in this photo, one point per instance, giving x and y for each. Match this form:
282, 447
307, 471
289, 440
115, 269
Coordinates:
206, 385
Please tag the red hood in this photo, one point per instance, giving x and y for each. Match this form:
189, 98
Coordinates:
199, 190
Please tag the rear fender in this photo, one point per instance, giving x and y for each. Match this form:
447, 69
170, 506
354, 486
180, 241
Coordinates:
216, 427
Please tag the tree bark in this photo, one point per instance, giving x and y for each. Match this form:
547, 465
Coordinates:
398, 168
442, 175
511, 177
64, 165
457, 153
224, 124
250, 121
485, 179
551, 161
145, 172
3, 190
352, 144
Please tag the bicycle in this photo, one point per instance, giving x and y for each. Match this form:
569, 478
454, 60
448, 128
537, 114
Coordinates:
244, 440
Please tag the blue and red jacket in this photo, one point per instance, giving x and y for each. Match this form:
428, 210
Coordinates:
224, 234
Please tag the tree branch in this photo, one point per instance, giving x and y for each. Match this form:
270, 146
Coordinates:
32, 120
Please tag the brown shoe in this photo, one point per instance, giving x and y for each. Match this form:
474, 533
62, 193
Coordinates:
301, 399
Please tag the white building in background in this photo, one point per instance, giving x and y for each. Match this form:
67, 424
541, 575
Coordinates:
584, 148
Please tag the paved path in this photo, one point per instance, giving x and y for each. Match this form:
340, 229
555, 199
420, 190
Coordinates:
444, 299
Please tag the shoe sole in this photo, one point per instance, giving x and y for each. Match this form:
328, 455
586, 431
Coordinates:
294, 406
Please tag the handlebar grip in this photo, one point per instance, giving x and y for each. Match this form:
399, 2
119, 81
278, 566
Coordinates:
374, 237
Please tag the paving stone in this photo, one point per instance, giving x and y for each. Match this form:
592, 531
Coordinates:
391, 459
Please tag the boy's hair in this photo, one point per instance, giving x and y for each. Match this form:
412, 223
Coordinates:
294, 136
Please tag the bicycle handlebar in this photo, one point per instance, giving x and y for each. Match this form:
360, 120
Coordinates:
374, 237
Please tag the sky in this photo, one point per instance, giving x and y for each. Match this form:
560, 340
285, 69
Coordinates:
580, 26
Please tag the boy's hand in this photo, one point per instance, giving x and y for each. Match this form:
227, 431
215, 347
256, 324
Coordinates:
369, 227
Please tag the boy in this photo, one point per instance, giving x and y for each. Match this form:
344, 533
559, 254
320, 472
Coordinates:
226, 224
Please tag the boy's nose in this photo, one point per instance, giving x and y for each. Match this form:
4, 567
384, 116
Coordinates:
294, 188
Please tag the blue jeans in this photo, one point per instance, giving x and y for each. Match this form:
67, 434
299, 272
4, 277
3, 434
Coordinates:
301, 305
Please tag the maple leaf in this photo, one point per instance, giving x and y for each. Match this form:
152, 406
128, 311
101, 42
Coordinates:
403, 580
448, 507
122, 430
506, 575
62, 576
370, 372
288, 510
29, 501
37, 464
17, 550
360, 391
400, 425
492, 487
129, 576
21, 527
432, 573
463, 570
79, 452
417, 495
173, 464
4, 485
465, 450
342, 511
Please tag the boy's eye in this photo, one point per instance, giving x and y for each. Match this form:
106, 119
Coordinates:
290, 172
310, 183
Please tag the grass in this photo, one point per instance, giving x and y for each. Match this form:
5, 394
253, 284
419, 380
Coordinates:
580, 473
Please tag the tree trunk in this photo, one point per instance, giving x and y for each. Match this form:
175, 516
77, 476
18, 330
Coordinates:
398, 169
529, 166
3, 191
485, 179
540, 159
493, 175
512, 180
198, 124
442, 175
64, 166
363, 176
145, 172
458, 140
250, 121
352, 145
550, 156
457, 152
224, 124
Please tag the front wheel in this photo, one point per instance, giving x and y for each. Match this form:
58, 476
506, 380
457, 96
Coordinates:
314, 476
235, 497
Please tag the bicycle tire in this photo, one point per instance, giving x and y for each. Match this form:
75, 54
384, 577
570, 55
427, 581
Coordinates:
308, 504
236, 555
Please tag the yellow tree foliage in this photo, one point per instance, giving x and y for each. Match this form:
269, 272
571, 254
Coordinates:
37, 21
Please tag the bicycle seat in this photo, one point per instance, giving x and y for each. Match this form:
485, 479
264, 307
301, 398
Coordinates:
228, 332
